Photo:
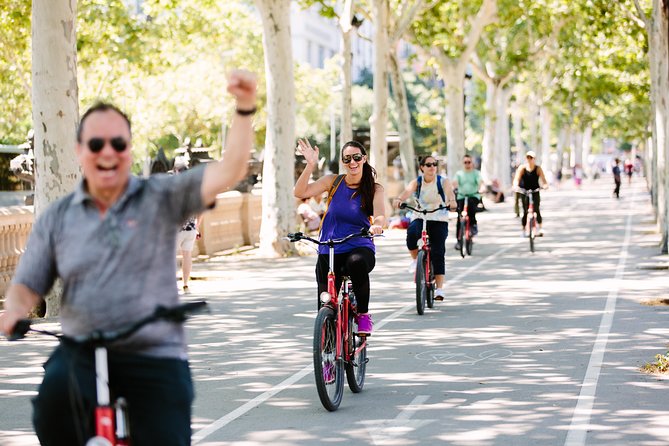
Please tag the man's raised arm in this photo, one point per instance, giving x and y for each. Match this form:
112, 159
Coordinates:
221, 175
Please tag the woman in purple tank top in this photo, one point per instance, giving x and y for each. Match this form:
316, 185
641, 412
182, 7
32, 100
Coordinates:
357, 202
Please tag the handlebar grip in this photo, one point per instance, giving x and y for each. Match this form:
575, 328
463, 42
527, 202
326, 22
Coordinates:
181, 312
20, 329
294, 236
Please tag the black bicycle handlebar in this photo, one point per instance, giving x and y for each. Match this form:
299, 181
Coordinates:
297, 236
424, 211
178, 313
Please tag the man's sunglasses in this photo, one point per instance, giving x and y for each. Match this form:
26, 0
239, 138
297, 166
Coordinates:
119, 144
435, 164
467, 162
357, 157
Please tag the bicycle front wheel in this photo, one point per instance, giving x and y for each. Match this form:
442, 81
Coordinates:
356, 364
421, 284
430, 285
461, 238
328, 371
469, 245
531, 234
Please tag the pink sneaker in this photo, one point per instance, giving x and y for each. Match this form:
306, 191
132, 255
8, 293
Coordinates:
365, 324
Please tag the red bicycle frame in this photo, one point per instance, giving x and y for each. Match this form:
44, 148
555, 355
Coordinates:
342, 308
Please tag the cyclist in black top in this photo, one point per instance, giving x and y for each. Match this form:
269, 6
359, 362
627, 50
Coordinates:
531, 176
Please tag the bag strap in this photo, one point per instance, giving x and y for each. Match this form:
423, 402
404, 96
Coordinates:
333, 188
440, 187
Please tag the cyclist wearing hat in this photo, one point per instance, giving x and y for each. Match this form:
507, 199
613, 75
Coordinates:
531, 176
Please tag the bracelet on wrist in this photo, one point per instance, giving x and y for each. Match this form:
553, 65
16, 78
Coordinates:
243, 112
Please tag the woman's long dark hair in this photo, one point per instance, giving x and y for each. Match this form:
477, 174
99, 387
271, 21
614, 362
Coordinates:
367, 183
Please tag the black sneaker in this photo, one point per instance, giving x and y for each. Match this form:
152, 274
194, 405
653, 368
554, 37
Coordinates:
457, 246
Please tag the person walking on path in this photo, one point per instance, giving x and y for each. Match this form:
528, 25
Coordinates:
617, 178
431, 191
188, 234
357, 201
112, 242
629, 170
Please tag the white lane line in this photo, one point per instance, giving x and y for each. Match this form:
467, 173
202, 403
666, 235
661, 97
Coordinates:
452, 281
580, 421
390, 431
241, 410
255, 402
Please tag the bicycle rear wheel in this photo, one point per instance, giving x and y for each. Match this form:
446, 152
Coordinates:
421, 285
356, 366
328, 371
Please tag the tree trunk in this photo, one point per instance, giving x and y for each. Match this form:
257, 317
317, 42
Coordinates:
517, 119
452, 72
659, 66
532, 115
55, 105
453, 76
346, 133
278, 174
546, 118
379, 118
563, 140
577, 152
586, 147
489, 131
502, 139
407, 153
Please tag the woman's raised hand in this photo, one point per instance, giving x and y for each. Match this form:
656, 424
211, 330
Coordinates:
309, 153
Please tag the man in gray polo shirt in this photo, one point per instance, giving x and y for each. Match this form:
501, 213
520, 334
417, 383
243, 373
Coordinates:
112, 241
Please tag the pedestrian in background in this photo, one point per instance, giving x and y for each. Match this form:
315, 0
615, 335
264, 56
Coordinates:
617, 178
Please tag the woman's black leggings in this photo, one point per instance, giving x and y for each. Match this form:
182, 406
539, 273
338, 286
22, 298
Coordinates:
356, 264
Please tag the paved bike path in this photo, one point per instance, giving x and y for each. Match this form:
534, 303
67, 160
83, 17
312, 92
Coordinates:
502, 361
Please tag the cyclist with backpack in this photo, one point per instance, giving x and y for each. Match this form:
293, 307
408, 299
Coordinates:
355, 201
430, 191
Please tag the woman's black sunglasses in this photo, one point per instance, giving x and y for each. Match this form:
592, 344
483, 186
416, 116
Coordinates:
435, 164
119, 144
357, 157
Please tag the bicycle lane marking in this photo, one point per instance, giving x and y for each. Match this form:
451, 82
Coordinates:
580, 421
255, 402
452, 281
385, 431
